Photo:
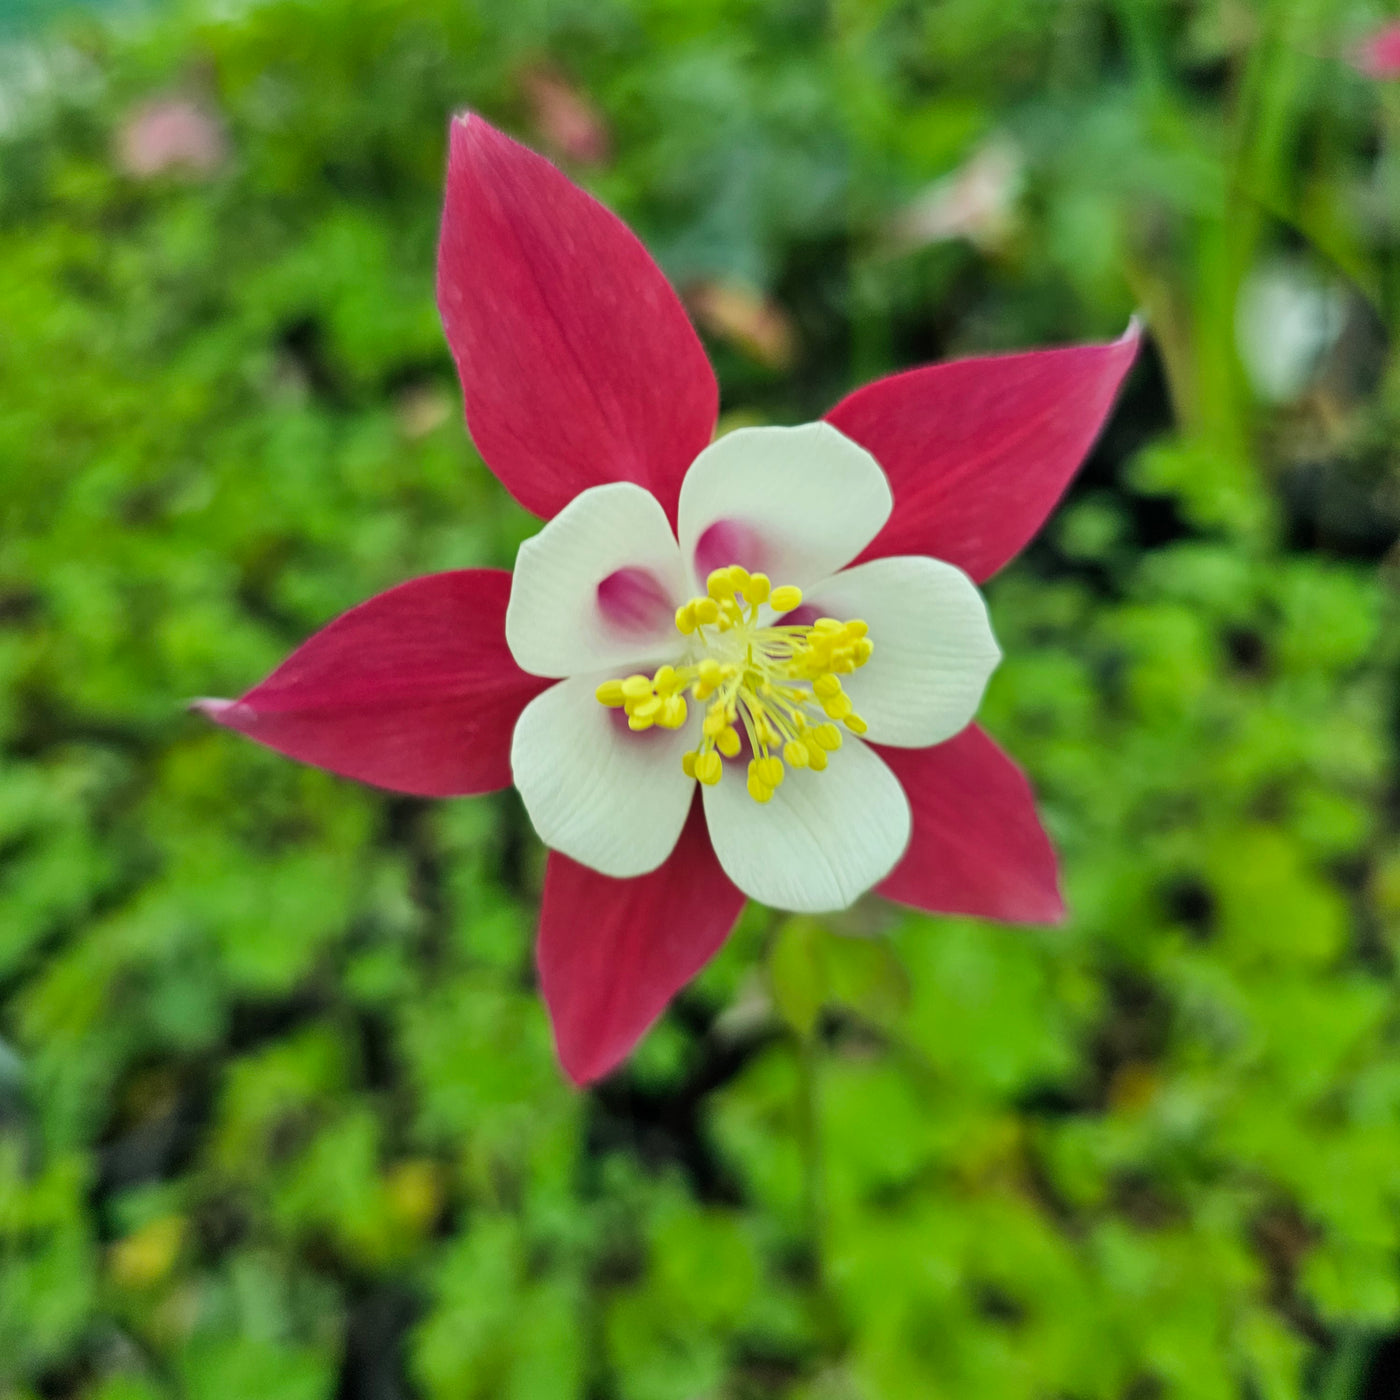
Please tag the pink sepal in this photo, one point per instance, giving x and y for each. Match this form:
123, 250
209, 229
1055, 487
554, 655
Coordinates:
578, 363
978, 847
415, 690
978, 451
612, 953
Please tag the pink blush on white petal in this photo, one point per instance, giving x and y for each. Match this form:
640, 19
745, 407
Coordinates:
730, 542
634, 602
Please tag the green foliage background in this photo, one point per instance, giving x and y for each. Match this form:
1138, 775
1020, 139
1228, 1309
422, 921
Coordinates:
279, 1116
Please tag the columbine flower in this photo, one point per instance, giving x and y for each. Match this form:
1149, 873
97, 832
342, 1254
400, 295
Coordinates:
731, 668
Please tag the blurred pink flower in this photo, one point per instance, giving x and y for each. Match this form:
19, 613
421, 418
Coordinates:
744, 317
568, 123
1378, 56
976, 201
589, 395
170, 134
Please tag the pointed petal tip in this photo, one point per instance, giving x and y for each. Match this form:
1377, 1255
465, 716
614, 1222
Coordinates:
414, 690
978, 451
210, 707
1053, 913
583, 1073
468, 125
468, 133
611, 954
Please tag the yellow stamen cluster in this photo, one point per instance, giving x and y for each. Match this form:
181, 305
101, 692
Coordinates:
649, 700
767, 681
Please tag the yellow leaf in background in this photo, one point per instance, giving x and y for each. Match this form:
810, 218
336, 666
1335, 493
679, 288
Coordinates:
146, 1256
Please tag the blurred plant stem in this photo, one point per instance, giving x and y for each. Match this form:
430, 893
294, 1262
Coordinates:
1142, 26
1192, 306
871, 332
810, 1146
825, 1310
799, 975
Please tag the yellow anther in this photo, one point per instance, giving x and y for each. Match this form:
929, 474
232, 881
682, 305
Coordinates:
826, 686
706, 611
640, 722
673, 712
785, 599
610, 694
708, 678
648, 709
758, 790
855, 724
685, 619
719, 585
826, 626
864, 650
838, 707
795, 753
828, 737
857, 628
771, 771
727, 742
758, 588
708, 768
816, 758
716, 722
688, 764
738, 578
635, 687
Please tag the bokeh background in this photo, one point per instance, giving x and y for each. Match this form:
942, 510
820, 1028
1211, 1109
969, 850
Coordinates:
279, 1117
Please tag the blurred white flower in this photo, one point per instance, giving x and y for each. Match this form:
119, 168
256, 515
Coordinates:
977, 201
34, 76
1286, 320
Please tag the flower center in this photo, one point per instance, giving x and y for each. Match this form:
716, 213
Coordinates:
780, 684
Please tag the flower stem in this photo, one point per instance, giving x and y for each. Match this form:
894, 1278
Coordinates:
810, 1146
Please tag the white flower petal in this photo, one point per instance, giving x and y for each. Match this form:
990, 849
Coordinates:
558, 622
796, 503
934, 648
609, 798
821, 842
